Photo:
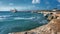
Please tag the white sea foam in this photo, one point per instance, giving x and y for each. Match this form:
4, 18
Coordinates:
3, 16
43, 22
2, 19
17, 18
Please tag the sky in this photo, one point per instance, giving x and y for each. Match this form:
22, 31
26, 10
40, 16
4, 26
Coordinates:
6, 5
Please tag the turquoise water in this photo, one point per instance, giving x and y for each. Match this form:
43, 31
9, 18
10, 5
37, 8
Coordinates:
20, 21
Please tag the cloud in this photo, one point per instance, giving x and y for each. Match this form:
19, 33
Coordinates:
47, 7
35, 1
11, 4
58, 5
47, 2
8, 8
5, 8
58, 1
0, 2
33, 6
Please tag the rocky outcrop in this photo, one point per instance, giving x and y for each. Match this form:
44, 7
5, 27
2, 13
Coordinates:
53, 27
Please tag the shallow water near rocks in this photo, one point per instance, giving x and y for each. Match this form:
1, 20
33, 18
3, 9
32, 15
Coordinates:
20, 21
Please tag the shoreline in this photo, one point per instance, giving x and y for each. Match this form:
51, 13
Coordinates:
51, 28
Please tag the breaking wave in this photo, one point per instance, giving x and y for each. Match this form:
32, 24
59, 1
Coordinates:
17, 18
10, 18
4, 16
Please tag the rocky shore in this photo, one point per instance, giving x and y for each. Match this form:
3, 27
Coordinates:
53, 27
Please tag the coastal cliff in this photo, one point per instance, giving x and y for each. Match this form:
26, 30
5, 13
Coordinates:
53, 27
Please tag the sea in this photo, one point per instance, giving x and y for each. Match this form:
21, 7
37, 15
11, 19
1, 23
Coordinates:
20, 21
